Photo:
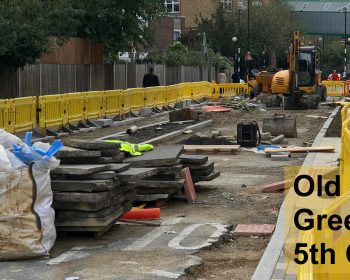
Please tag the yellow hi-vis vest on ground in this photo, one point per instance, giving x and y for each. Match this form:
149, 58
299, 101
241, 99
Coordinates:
132, 149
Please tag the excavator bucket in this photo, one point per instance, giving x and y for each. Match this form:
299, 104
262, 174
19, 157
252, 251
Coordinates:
278, 124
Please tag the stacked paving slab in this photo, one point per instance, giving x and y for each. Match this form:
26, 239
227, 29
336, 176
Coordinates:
169, 161
92, 187
200, 167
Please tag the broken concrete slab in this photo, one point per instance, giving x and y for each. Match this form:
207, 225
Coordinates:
254, 229
277, 186
159, 156
202, 172
170, 170
298, 155
84, 185
95, 160
151, 197
104, 122
69, 152
105, 175
194, 159
80, 169
209, 177
118, 167
183, 115
265, 136
90, 222
87, 201
67, 214
110, 152
136, 174
205, 166
90, 144
146, 187
277, 140
145, 112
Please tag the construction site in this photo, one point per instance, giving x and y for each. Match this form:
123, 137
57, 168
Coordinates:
194, 180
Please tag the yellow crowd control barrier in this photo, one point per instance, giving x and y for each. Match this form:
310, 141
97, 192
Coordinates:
3, 115
160, 97
75, 106
149, 97
93, 105
62, 109
21, 114
112, 102
334, 88
52, 110
229, 90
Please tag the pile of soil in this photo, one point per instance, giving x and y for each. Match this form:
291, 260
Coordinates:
198, 140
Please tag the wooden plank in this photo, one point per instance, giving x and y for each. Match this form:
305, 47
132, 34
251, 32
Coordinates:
328, 149
195, 149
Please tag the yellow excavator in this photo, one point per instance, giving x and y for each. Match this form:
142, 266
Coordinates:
299, 87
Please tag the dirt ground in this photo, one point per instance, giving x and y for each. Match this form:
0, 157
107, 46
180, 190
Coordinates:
235, 197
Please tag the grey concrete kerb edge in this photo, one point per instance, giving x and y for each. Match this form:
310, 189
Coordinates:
268, 262
171, 135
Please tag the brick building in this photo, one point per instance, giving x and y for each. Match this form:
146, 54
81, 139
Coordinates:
182, 17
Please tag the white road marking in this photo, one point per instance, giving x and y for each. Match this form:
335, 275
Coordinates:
68, 256
166, 274
152, 235
175, 243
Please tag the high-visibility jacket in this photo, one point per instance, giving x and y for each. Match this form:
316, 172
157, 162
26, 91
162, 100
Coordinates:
132, 149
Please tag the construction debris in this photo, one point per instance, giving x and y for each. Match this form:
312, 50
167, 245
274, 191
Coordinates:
277, 140
254, 229
326, 149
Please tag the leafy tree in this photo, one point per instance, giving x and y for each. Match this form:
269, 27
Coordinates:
333, 57
271, 29
25, 25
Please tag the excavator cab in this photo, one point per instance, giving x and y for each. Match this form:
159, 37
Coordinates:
308, 66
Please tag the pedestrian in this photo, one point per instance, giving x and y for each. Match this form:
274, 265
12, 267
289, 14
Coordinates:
150, 79
235, 77
335, 76
222, 79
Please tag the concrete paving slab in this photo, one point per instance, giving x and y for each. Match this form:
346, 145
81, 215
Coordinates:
80, 169
136, 174
69, 152
84, 185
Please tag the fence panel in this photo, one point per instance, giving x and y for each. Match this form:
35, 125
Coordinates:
52, 111
160, 97
334, 88
136, 96
149, 96
93, 105
112, 100
22, 114
173, 93
74, 104
3, 115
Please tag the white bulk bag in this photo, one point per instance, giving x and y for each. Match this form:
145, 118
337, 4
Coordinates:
27, 227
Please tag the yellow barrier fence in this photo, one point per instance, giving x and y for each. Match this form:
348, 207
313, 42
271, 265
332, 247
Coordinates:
93, 105
52, 110
160, 97
229, 90
149, 95
334, 88
21, 114
112, 102
75, 107
3, 115
61, 109
345, 150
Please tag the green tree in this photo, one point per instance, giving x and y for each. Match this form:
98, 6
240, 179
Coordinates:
333, 56
271, 30
25, 25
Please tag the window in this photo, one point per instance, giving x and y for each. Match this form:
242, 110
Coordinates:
172, 6
177, 29
227, 5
